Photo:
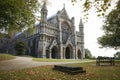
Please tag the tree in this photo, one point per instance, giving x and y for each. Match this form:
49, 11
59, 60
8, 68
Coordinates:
100, 6
111, 28
117, 55
88, 54
17, 14
20, 47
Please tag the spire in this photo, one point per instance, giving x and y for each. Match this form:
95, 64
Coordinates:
64, 5
44, 12
44, 7
64, 12
81, 27
81, 23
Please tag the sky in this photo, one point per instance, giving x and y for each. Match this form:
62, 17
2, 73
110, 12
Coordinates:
92, 28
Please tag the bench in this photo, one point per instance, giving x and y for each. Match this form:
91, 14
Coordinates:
105, 61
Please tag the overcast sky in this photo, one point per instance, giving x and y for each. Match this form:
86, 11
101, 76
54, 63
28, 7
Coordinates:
92, 28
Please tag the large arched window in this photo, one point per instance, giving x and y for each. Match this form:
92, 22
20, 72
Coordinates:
66, 31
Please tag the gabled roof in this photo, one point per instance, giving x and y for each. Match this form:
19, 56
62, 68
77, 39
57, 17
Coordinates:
63, 12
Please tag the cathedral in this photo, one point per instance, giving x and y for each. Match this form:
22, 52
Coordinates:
56, 37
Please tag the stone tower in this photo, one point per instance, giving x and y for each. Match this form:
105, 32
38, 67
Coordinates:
42, 31
44, 12
81, 31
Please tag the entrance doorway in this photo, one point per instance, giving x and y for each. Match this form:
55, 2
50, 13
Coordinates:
79, 54
68, 52
54, 52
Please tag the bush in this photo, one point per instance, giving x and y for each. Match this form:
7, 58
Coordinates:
20, 47
117, 55
88, 54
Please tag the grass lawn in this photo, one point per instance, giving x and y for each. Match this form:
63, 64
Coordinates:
6, 57
93, 72
58, 60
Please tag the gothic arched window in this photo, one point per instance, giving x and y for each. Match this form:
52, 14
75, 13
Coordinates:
66, 31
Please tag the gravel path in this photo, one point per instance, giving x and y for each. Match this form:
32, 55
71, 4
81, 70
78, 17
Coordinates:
25, 62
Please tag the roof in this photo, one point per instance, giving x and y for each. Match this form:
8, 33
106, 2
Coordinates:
54, 15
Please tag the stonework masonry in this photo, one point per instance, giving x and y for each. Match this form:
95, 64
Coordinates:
55, 37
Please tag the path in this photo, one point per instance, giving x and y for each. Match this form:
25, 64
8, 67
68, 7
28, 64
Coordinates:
25, 62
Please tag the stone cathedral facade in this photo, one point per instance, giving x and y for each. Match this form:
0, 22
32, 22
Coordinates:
55, 37
58, 38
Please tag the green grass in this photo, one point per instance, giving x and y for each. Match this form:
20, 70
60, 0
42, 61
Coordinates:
93, 72
6, 57
58, 60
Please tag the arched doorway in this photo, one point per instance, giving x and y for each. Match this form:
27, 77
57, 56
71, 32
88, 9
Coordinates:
69, 52
79, 54
54, 52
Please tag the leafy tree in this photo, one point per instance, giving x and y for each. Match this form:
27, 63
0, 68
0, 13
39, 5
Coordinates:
20, 47
117, 55
17, 14
88, 54
101, 6
111, 28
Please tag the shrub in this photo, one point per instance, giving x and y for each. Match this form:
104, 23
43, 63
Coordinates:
20, 47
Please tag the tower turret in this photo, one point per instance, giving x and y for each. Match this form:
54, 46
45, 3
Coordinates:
81, 26
81, 31
44, 12
73, 24
42, 29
